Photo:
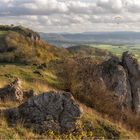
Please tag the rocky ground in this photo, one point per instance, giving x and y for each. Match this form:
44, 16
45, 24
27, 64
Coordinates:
51, 114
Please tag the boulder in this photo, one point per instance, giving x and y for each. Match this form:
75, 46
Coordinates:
132, 66
12, 92
55, 111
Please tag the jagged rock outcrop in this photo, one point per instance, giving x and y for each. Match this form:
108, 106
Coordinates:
12, 92
123, 78
133, 68
34, 36
116, 80
56, 111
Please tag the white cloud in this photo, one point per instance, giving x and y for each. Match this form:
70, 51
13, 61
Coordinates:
72, 15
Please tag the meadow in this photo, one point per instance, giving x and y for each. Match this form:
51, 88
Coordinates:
118, 50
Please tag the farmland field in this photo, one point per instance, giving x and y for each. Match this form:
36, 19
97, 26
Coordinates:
3, 32
118, 50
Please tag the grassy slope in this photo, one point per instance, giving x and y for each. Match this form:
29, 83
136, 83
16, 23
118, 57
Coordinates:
22, 49
80, 76
102, 126
31, 80
44, 82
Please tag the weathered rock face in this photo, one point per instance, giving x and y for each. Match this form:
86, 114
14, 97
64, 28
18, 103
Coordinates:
56, 111
12, 92
34, 36
116, 80
123, 78
133, 68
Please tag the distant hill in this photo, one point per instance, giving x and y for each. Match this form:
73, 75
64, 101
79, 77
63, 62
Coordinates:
52, 36
94, 37
84, 50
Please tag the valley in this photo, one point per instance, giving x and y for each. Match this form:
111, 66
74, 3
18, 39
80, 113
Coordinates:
115, 42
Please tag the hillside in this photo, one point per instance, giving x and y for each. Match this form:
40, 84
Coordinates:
56, 93
103, 84
84, 50
22, 45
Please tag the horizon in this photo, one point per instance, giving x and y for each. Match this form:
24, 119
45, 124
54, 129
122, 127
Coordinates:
90, 32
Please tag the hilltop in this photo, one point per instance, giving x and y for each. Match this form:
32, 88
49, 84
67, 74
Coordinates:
85, 50
22, 45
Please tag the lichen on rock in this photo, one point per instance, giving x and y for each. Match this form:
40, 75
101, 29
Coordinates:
55, 111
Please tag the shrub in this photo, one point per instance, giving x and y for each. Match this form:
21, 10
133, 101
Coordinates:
82, 77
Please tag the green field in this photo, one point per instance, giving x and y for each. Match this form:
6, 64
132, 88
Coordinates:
3, 33
118, 50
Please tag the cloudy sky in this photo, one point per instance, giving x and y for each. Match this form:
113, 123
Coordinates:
72, 15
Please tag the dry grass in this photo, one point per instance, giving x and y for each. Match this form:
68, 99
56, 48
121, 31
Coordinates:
40, 83
18, 132
6, 105
91, 126
105, 118
82, 77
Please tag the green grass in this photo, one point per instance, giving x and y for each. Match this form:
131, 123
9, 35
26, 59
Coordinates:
31, 80
3, 33
118, 50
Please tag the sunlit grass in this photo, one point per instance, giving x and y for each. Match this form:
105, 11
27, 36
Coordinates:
3, 33
30, 80
118, 50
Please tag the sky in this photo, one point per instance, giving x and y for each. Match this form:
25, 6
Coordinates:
72, 15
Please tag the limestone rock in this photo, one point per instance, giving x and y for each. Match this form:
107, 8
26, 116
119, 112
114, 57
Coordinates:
116, 79
133, 68
56, 111
12, 92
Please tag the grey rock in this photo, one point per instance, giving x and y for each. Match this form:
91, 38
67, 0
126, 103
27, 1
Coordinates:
56, 111
116, 79
12, 92
133, 68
